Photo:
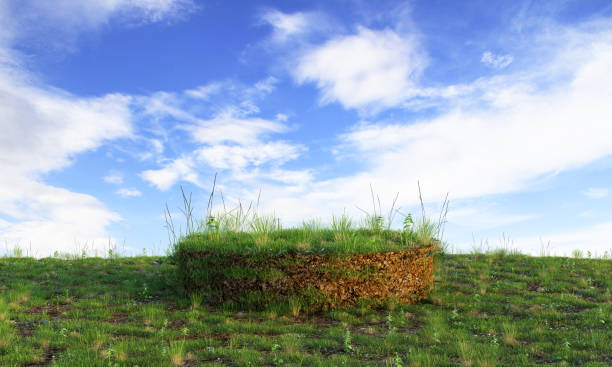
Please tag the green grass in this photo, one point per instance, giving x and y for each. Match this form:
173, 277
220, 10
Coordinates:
302, 240
247, 231
494, 309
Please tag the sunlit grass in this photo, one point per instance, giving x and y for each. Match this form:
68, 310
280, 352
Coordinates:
496, 308
131, 311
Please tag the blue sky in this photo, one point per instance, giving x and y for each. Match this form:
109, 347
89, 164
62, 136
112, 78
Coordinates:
107, 107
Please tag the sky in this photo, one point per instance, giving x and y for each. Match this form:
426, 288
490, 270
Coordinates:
109, 107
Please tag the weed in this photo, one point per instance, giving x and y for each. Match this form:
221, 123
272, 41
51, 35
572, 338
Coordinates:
265, 225
396, 361
196, 299
296, 306
390, 327
342, 226
145, 294
348, 347
275, 356
212, 226
111, 354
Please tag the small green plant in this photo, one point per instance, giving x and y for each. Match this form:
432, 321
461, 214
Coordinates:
176, 349
196, 299
162, 331
275, 357
567, 348
312, 225
408, 235
63, 332
408, 223
212, 226
145, 294
265, 224
176, 352
390, 327
342, 225
112, 254
397, 361
494, 340
348, 347
110, 358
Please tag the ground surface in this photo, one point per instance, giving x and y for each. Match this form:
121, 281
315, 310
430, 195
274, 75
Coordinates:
485, 310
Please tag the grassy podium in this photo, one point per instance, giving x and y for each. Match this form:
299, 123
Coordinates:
305, 270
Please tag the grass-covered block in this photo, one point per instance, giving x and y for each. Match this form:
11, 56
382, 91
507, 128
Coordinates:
318, 270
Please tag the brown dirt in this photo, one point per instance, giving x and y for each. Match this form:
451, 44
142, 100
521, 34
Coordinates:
406, 275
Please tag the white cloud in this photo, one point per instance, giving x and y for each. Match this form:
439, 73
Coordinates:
484, 217
157, 145
226, 133
85, 15
81, 226
291, 177
162, 104
178, 169
43, 129
293, 26
496, 61
518, 129
238, 157
57, 25
228, 128
281, 117
223, 99
8, 26
597, 239
48, 219
503, 146
204, 92
114, 177
264, 87
370, 69
228, 143
286, 25
126, 192
597, 192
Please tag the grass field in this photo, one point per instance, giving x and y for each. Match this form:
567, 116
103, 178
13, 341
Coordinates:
494, 309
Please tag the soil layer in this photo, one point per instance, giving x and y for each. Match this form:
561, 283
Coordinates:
326, 280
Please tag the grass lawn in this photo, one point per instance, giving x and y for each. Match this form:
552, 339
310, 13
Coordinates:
485, 310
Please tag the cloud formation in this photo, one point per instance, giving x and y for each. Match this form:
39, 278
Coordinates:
498, 135
127, 193
496, 61
597, 192
91, 14
114, 177
505, 143
295, 26
52, 26
227, 134
595, 238
287, 25
370, 69
42, 131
